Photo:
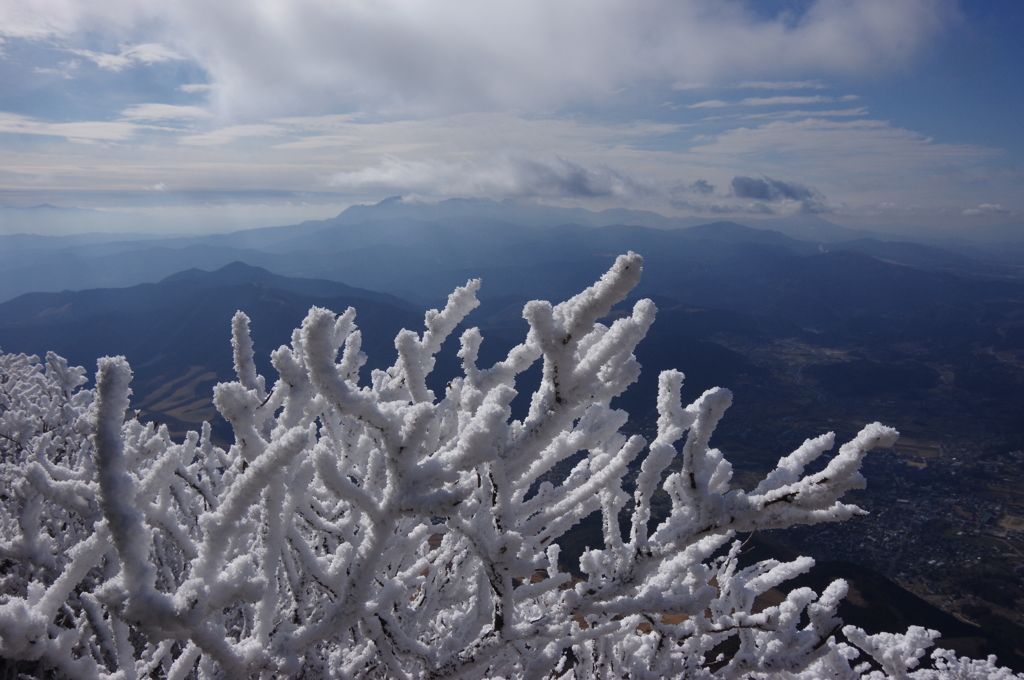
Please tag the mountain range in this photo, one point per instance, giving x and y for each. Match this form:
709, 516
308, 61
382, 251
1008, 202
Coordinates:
813, 327
418, 250
732, 284
176, 335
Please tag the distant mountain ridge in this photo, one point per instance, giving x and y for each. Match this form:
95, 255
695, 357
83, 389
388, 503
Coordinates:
760, 284
176, 334
66, 306
418, 251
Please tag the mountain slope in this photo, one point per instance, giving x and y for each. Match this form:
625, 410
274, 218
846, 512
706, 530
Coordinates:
177, 333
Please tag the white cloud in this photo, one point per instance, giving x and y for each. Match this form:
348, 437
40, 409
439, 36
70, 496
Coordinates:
857, 144
792, 101
148, 53
41, 19
65, 69
326, 142
193, 88
570, 159
861, 162
474, 134
782, 100
286, 56
101, 131
987, 209
516, 175
164, 112
797, 113
278, 155
782, 85
230, 134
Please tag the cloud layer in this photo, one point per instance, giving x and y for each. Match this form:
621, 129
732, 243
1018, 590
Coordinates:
281, 56
768, 189
510, 175
702, 106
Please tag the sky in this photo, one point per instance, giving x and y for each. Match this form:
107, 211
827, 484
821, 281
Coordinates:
217, 115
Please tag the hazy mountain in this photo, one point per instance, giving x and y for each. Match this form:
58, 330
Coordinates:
77, 269
51, 219
421, 250
67, 306
509, 211
814, 229
916, 255
10, 243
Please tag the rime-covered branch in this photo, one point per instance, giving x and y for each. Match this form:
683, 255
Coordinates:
378, 530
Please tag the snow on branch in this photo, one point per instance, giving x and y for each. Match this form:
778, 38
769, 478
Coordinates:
378, 530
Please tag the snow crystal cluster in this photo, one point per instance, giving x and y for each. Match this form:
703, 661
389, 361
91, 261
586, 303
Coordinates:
381, 531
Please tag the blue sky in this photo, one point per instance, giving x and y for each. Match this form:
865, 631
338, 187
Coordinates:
868, 112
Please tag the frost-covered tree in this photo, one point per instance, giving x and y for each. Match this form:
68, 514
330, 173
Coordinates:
382, 531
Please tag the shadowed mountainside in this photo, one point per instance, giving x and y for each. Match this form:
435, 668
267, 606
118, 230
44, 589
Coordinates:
176, 334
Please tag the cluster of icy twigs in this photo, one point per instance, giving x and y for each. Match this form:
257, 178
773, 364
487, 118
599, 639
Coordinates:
304, 550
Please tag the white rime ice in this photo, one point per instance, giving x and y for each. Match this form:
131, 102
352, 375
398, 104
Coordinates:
380, 530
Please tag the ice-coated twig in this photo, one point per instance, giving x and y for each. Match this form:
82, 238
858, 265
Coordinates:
379, 530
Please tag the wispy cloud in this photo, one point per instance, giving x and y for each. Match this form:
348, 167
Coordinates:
533, 55
781, 85
863, 161
987, 209
799, 113
66, 69
768, 189
30, 21
786, 100
164, 112
474, 134
327, 142
857, 145
729, 208
781, 100
232, 133
507, 175
85, 130
701, 187
148, 53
